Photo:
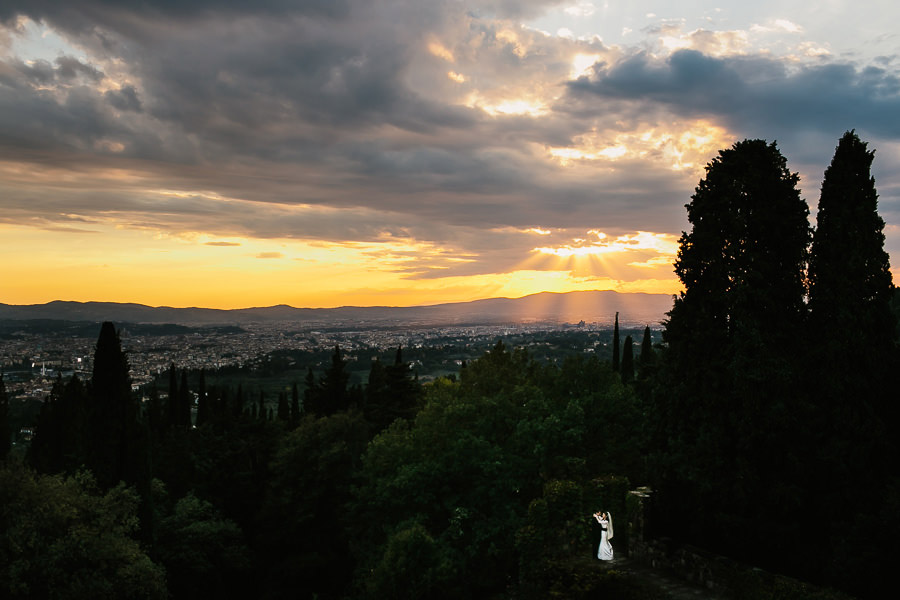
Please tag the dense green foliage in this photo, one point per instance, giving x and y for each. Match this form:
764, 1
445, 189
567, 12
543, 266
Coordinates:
62, 537
391, 489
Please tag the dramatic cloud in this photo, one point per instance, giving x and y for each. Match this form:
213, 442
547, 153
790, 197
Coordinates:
428, 142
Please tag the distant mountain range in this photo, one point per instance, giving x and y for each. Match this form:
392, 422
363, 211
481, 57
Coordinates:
592, 307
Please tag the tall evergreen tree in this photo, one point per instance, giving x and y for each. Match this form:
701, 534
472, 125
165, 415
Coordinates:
648, 356
260, 411
615, 356
202, 400
295, 405
402, 387
172, 401
728, 405
60, 439
391, 393
117, 450
311, 395
333, 386
377, 395
627, 370
5, 437
853, 360
284, 411
238, 408
850, 287
154, 414
185, 401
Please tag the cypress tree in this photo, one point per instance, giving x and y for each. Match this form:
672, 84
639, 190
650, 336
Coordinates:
377, 395
615, 356
5, 437
238, 408
311, 394
60, 439
627, 371
172, 402
202, 400
184, 402
726, 413
334, 385
295, 405
260, 411
115, 437
853, 357
155, 414
403, 390
283, 412
850, 284
648, 356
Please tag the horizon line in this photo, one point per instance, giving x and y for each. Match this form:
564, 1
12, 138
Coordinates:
163, 306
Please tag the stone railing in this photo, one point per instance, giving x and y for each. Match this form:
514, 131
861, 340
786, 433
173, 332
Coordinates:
721, 575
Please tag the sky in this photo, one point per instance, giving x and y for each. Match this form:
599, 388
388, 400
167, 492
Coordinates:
326, 153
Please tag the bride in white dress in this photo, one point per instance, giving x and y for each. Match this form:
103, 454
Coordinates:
605, 551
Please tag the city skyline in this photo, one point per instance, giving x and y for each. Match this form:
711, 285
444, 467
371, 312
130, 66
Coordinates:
322, 154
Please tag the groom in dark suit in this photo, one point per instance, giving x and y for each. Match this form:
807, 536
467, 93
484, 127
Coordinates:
596, 536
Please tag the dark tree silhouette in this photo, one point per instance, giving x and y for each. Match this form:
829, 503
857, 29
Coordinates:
627, 369
311, 395
5, 437
115, 447
283, 413
333, 386
202, 400
295, 405
172, 401
60, 438
392, 392
850, 287
238, 408
184, 402
648, 356
726, 420
852, 365
615, 349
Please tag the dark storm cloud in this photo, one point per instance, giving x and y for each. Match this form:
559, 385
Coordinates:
125, 98
805, 107
754, 93
80, 12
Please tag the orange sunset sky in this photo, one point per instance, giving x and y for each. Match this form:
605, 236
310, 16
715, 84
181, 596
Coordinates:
395, 152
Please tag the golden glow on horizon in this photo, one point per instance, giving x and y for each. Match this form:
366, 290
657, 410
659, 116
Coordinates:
124, 265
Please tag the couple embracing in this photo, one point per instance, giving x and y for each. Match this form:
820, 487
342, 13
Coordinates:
605, 551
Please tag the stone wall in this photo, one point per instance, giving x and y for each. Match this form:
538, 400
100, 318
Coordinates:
723, 576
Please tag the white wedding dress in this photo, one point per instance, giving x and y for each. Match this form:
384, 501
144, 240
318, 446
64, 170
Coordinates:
605, 551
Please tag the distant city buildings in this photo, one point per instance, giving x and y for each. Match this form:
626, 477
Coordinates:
32, 362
